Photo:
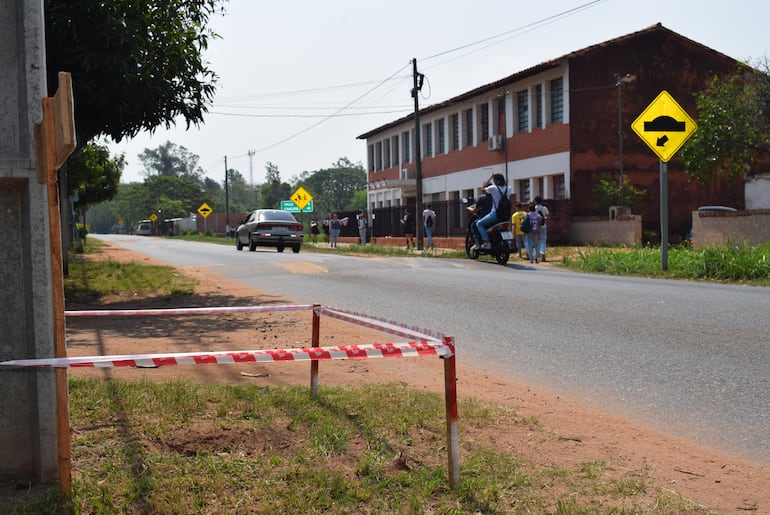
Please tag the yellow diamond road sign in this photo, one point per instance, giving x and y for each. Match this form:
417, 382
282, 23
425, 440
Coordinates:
301, 197
204, 210
664, 126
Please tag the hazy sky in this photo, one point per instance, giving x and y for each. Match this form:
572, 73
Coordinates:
299, 81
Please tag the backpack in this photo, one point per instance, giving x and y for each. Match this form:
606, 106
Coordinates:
526, 225
429, 221
503, 206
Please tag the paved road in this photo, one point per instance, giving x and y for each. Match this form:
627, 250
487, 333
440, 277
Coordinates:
689, 358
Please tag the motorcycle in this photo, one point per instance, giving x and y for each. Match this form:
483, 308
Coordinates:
500, 238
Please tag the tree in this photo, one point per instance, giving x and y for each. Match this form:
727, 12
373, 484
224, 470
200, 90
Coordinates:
273, 191
135, 65
94, 174
607, 191
733, 127
174, 196
170, 160
334, 188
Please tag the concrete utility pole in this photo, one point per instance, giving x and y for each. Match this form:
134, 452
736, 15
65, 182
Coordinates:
251, 168
418, 78
32, 443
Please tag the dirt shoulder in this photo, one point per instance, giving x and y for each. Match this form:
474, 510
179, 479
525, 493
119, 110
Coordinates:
569, 432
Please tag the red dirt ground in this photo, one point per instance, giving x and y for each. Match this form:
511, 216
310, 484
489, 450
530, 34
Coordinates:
717, 481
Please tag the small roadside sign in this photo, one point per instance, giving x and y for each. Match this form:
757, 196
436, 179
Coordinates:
154, 217
292, 207
664, 126
205, 210
301, 198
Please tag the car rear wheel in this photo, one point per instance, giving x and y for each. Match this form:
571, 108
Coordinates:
280, 248
295, 249
252, 243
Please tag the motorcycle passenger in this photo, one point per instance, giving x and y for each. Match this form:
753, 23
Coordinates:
496, 187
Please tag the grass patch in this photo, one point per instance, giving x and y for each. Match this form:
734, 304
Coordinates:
179, 447
743, 264
95, 279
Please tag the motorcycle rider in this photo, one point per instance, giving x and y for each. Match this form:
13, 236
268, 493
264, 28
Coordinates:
496, 187
481, 208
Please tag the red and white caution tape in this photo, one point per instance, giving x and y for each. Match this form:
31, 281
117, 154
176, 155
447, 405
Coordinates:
377, 350
387, 326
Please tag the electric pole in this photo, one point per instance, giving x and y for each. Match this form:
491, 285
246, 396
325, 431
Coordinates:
227, 204
251, 168
417, 86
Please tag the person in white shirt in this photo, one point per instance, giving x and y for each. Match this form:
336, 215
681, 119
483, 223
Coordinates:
428, 221
496, 187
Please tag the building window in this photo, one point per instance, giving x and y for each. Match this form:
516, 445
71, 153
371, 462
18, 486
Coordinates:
468, 127
396, 159
539, 106
557, 100
378, 155
484, 121
386, 153
455, 131
405, 137
523, 103
428, 139
371, 158
524, 193
559, 187
441, 136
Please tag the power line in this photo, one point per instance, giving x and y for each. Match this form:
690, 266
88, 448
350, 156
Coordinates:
333, 114
492, 40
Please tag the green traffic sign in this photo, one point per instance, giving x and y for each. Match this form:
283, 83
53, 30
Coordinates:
291, 207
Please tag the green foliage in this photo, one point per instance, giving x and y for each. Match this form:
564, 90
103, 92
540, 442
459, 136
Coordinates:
96, 279
335, 188
82, 230
170, 160
607, 193
730, 263
135, 65
733, 127
93, 175
379, 448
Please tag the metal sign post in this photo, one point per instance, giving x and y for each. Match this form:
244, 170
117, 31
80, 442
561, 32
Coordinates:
664, 126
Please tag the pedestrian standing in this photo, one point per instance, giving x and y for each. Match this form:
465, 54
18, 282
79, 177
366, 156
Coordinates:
407, 224
363, 225
314, 230
429, 221
326, 227
532, 238
334, 228
516, 219
545, 214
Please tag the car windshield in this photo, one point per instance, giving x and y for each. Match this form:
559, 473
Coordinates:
284, 216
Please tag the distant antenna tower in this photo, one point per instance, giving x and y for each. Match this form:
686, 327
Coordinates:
251, 167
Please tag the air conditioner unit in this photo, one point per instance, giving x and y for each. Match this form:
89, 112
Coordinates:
495, 142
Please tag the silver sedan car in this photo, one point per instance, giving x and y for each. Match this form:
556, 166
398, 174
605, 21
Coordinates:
269, 228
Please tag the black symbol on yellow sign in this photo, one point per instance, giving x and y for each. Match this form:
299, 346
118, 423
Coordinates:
664, 126
205, 210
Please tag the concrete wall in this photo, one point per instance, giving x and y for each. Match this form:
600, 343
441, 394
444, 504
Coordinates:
27, 402
720, 228
625, 230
